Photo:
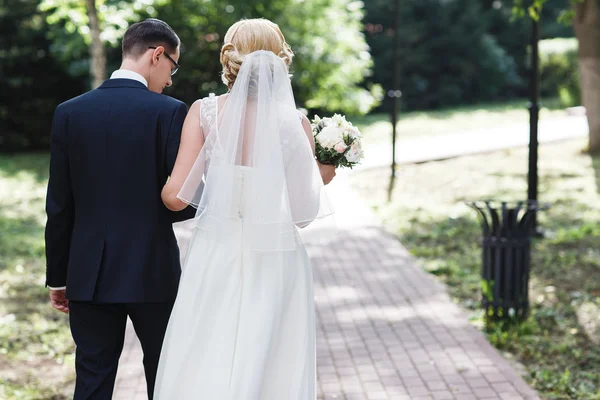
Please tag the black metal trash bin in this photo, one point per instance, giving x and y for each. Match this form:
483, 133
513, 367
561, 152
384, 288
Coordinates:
506, 256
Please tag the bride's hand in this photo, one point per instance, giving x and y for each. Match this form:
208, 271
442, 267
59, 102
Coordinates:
327, 172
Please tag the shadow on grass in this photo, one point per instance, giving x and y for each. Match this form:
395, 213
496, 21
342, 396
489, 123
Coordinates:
35, 341
21, 241
34, 338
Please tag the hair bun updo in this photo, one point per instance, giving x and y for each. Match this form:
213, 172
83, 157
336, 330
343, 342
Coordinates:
247, 36
232, 62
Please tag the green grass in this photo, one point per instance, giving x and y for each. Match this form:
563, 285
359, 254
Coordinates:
35, 344
560, 343
376, 128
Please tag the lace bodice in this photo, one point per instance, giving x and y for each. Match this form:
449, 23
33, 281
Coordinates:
209, 110
243, 177
208, 119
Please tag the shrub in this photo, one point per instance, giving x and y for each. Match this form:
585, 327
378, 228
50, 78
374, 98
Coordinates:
559, 69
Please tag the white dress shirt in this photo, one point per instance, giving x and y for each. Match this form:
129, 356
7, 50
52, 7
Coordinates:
118, 74
128, 74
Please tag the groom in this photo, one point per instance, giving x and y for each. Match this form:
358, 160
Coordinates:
110, 247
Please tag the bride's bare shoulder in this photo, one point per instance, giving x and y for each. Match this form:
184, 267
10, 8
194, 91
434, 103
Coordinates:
222, 99
196, 105
308, 131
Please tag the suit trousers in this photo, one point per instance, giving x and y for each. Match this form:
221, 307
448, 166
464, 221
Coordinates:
99, 333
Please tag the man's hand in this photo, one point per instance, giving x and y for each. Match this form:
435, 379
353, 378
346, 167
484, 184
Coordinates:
327, 172
59, 301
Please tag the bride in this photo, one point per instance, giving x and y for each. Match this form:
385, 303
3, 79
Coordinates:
243, 324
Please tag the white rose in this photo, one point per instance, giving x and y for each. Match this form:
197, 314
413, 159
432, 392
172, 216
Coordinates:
340, 147
330, 136
355, 153
353, 132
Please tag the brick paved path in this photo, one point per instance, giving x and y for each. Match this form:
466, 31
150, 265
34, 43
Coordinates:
386, 329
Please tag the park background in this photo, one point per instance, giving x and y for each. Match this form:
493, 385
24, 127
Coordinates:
463, 77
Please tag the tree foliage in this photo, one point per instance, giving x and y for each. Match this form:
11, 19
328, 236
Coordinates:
448, 55
534, 9
68, 27
329, 68
456, 51
331, 63
33, 80
585, 16
332, 56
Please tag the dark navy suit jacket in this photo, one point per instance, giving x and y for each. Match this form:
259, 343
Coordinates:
109, 238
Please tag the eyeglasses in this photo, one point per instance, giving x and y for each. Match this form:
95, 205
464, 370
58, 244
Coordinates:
177, 66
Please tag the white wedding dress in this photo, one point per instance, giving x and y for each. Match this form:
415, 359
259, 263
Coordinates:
243, 324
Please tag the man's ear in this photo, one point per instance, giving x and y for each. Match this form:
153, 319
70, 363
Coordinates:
156, 54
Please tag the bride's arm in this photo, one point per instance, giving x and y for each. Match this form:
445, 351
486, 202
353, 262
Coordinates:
191, 143
309, 133
327, 171
304, 188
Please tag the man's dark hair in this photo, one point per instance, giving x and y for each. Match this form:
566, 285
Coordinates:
150, 32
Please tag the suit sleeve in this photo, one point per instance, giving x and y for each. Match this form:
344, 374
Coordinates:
173, 140
59, 204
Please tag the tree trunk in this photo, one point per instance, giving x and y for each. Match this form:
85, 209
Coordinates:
587, 29
98, 56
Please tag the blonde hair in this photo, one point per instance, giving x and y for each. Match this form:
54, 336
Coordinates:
247, 36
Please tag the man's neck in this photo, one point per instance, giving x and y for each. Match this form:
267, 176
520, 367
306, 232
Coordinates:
132, 66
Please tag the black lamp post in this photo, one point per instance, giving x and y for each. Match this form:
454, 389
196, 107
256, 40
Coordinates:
394, 93
534, 110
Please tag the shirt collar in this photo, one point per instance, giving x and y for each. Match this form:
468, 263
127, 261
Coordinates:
128, 74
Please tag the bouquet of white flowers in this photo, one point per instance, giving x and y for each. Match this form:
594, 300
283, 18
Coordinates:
337, 141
